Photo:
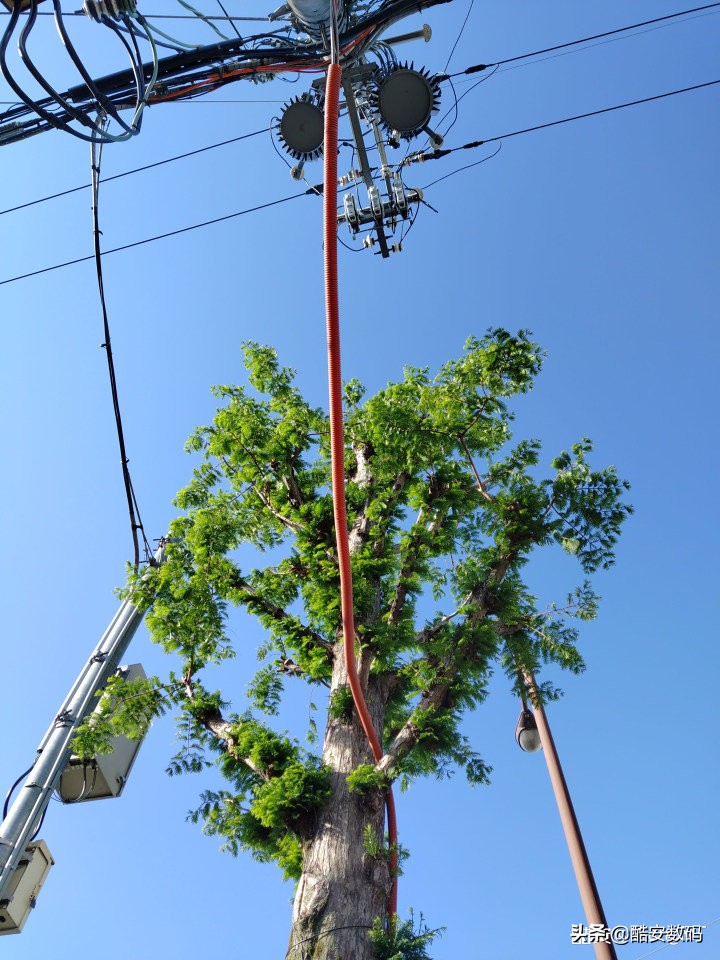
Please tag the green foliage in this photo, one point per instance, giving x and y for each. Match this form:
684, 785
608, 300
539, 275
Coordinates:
126, 707
285, 799
365, 778
265, 691
266, 815
371, 843
341, 705
401, 940
444, 507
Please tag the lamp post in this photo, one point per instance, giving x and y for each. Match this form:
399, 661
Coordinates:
533, 733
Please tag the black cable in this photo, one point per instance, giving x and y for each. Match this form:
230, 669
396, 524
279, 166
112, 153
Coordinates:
436, 154
136, 524
462, 30
229, 18
127, 173
459, 98
572, 43
39, 826
149, 16
30, 105
12, 790
317, 189
460, 169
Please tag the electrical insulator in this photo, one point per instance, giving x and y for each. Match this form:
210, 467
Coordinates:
113, 9
375, 202
351, 214
302, 128
406, 99
399, 196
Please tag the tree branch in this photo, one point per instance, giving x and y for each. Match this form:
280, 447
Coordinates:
281, 615
435, 696
213, 720
265, 500
409, 563
480, 485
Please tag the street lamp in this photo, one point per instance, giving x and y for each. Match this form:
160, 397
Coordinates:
526, 732
533, 733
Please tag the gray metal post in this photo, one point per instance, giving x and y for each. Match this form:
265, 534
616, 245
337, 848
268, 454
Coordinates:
23, 817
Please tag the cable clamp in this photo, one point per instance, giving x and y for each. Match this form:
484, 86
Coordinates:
63, 718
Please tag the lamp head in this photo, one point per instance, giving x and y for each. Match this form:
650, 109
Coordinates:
526, 732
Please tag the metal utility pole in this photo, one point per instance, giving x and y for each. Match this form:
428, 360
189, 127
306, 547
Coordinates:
25, 815
604, 950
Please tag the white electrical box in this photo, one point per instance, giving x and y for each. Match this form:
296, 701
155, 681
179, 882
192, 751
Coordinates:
29, 876
106, 774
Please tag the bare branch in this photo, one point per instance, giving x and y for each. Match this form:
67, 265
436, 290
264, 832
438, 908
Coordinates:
480, 485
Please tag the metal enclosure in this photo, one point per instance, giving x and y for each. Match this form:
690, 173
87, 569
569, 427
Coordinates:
29, 876
105, 775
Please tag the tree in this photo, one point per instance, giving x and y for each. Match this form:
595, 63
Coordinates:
443, 512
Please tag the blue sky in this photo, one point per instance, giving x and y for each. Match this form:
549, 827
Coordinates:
601, 237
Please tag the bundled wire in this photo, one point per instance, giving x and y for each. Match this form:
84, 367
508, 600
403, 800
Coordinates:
61, 111
136, 525
187, 73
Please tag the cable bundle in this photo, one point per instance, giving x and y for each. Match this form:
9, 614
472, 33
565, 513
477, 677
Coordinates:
61, 111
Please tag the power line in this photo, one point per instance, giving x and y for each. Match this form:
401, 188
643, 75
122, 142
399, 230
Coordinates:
469, 70
163, 236
572, 43
435, 155
152, 16
127, 173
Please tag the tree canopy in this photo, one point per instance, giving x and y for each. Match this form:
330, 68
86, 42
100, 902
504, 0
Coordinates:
444, 510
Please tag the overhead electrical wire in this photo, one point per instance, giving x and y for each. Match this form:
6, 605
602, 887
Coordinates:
438, 154
572, 43
459, 36
136, 524
58, 109
127, 173
467, 166
171, 233
191, 73
317, 189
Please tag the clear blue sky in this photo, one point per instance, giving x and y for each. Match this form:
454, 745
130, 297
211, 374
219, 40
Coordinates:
601, 236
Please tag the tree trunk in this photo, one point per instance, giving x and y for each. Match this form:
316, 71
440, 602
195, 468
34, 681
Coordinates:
345, 881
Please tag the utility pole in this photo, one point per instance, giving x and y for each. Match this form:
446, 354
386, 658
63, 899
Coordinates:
604, 949
24, 817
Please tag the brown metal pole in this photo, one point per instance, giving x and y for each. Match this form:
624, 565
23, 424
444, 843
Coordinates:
578, 854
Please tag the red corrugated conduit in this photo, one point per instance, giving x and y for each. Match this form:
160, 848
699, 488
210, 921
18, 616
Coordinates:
337, 447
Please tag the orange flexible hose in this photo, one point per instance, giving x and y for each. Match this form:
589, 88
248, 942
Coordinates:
337, 447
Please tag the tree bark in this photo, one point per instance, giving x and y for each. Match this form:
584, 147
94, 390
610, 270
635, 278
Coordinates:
345, 883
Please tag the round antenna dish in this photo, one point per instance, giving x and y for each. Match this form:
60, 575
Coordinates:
406, 99
302, 129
